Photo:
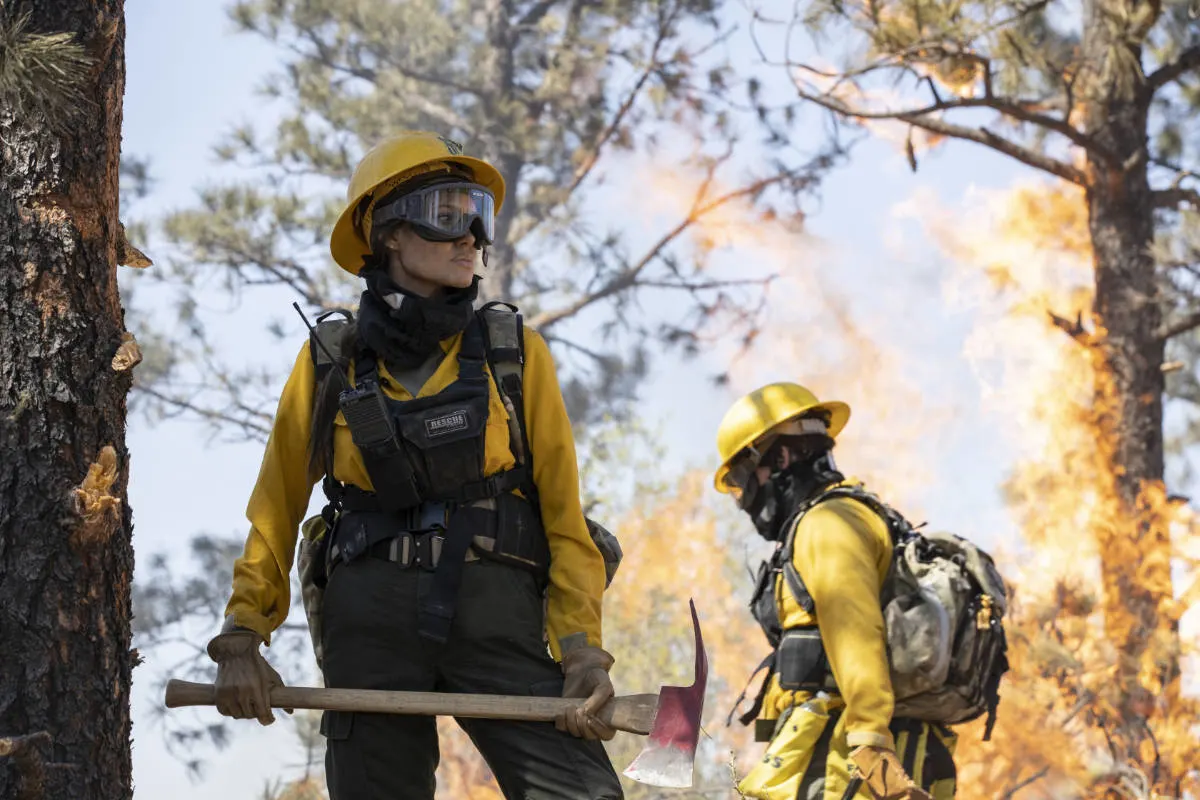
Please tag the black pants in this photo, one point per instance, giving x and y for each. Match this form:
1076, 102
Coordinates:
495, 647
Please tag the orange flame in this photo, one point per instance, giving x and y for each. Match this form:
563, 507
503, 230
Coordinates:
1020, 256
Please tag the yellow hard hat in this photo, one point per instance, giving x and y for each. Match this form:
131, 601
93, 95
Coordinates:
409, 154
754, 415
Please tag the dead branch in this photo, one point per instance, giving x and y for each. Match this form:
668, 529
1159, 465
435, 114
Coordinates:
1034, 778
1021, 110
979, 135
1074, 328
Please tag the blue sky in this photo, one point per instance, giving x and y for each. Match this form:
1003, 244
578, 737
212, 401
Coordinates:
190, 79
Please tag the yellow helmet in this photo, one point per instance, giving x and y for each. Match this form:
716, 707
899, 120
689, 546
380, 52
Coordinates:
756, 414
407, 155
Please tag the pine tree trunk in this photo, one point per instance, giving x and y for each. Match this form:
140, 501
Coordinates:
1129, 355
66, 556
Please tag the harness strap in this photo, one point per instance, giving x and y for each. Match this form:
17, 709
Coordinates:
505, 348
768, 664
435, 610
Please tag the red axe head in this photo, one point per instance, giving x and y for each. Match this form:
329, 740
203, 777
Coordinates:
667, 758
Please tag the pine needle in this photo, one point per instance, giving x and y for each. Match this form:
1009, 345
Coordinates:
40, 73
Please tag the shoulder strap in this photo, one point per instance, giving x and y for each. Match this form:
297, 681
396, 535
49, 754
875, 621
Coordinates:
505, 345
790, 574
325, 342
325, 348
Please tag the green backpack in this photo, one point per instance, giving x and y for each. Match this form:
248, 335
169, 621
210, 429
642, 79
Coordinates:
943, 608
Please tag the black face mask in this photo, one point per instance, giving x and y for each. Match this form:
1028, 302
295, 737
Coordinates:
771, 504
406, 336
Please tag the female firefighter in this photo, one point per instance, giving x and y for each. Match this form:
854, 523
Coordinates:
826, 705
443, 544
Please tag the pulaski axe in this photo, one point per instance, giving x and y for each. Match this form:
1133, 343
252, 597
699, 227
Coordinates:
671, 718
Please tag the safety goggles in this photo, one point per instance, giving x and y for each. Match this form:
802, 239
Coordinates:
443, 212
744, 465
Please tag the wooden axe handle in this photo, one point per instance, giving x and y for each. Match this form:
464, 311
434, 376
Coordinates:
633, 713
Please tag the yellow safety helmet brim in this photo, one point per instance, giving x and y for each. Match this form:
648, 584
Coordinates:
407, 152
756, 414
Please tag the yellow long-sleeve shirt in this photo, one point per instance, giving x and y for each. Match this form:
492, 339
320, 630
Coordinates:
842, 551
261, 589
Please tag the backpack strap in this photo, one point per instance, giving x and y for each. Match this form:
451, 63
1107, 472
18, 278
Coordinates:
325, 349
896, 525
325, 342
504, 335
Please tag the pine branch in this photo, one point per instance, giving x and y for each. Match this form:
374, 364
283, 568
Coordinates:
41, 73
1189, 60
324, 55
979, 135
610, 130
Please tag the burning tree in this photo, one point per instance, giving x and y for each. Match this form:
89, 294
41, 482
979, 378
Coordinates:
1102, 97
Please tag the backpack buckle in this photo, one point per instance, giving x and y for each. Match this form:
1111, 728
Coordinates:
983, 617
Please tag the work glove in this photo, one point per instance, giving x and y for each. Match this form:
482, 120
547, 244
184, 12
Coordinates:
585, 670
884, 775
244, 678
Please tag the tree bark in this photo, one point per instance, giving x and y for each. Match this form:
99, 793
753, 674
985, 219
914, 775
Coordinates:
66, 555
1129, 395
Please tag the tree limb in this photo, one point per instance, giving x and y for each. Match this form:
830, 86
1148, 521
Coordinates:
1017, 109
1187, 61
628, 277
1175, 197
262, 429
1178, 327
980, 135
324, 55
1074, 328
1034, 778
1006, 146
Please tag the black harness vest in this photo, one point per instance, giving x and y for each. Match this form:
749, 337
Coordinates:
425, 458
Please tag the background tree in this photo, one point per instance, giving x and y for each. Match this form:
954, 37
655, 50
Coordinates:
565, 97
558, 94
65, 529
1102, 96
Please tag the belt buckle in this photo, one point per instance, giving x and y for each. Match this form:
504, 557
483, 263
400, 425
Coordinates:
400, 549
428, 550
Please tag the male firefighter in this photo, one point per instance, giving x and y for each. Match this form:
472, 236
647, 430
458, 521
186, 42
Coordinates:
826, 705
